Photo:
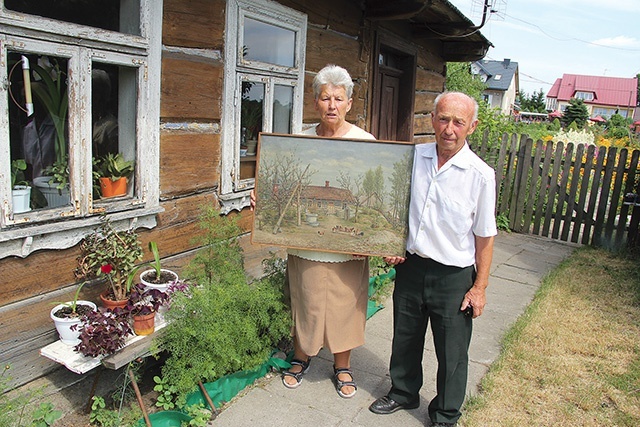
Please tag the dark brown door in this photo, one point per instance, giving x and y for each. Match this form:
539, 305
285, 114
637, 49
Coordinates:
388, 109
393, 90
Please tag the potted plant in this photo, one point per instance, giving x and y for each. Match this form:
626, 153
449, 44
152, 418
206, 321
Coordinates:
107, 252
51, 91
66, 315
143, 304
157, 277
114, 171
20, 189
103, 332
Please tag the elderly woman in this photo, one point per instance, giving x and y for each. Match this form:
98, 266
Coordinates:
328, 290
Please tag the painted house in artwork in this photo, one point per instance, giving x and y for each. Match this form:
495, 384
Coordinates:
327, 199
179, 88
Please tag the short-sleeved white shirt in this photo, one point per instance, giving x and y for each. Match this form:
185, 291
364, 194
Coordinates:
450, 206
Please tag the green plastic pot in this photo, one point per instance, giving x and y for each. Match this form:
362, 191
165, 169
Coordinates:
165, 419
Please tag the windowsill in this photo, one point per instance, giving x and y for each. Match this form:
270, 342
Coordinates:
62, 235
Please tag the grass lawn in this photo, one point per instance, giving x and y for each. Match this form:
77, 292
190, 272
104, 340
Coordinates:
573, 358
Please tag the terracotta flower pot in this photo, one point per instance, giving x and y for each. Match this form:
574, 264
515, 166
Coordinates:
113, 188
144, 324
109, 303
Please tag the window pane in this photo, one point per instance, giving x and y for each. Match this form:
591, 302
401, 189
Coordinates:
100, 14
251, 117
268, 43
113, 118
38, 125
282, 108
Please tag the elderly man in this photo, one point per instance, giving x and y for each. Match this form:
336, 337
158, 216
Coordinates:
444, 277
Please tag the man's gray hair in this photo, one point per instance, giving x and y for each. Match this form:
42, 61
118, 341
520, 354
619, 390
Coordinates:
475, 103
333, 75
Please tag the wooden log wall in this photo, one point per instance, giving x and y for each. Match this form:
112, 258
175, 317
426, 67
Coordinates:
190, 150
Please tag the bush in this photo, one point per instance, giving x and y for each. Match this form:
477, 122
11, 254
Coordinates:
226, 324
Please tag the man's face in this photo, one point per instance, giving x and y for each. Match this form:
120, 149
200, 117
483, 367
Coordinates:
453, 122
333, 104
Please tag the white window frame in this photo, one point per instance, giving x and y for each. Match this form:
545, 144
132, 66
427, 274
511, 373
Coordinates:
585, 96
234, 193
63, 227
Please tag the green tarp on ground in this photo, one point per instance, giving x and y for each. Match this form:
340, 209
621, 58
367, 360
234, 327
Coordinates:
226, 388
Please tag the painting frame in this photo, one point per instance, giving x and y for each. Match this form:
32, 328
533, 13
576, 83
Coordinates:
336, 195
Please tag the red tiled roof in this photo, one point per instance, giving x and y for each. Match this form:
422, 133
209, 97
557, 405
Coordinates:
614, 91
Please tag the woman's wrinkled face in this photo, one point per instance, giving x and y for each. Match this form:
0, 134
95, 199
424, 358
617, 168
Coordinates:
333, 105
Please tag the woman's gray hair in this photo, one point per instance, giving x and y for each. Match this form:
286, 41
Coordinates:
443, 94
333, 75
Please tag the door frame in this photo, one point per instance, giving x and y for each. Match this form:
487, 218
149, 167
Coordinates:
387, 42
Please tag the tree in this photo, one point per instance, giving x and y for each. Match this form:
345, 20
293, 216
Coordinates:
534, 103
460, 79
617, 126
575, 112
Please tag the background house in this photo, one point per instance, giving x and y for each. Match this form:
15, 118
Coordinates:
186, 79
502, 80
603, 96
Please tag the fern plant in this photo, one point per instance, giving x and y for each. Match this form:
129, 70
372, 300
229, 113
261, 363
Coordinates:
226, 324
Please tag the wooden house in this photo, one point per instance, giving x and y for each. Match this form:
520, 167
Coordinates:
184, 80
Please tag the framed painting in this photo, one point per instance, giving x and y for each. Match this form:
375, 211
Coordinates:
332, 195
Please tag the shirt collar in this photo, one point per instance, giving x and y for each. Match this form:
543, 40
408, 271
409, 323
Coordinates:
461, 159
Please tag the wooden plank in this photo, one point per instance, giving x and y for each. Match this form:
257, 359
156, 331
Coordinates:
500, 165
524, 166
189, 163
553, 188
584, 190
534, 185
193, 24
594, 193
621, 161
191, 89
131, 352
562, 190
624, 208
545, 184
573, 190
604, 196
616, 196
509, 176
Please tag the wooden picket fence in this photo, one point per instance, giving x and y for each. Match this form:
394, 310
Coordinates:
573, 193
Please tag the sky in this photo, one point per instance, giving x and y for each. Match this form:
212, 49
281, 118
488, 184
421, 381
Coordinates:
548, 38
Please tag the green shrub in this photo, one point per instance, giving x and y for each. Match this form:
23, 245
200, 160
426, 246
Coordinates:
225, 324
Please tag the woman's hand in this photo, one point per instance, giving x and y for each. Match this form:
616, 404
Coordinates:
252, 200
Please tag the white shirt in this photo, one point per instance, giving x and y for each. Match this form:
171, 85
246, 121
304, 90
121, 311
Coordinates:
450, 206
354, 133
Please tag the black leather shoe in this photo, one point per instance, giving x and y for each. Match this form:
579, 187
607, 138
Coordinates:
432, 424
386, 405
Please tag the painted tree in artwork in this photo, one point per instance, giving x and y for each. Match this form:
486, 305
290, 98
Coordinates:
399, 194
355, 187
373, 188
281, 181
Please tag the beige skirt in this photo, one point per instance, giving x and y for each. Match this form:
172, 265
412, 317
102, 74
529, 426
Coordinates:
328, 303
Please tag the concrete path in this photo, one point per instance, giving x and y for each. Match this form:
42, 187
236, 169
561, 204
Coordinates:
520, 262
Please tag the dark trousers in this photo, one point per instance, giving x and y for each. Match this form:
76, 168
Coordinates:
426, 290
